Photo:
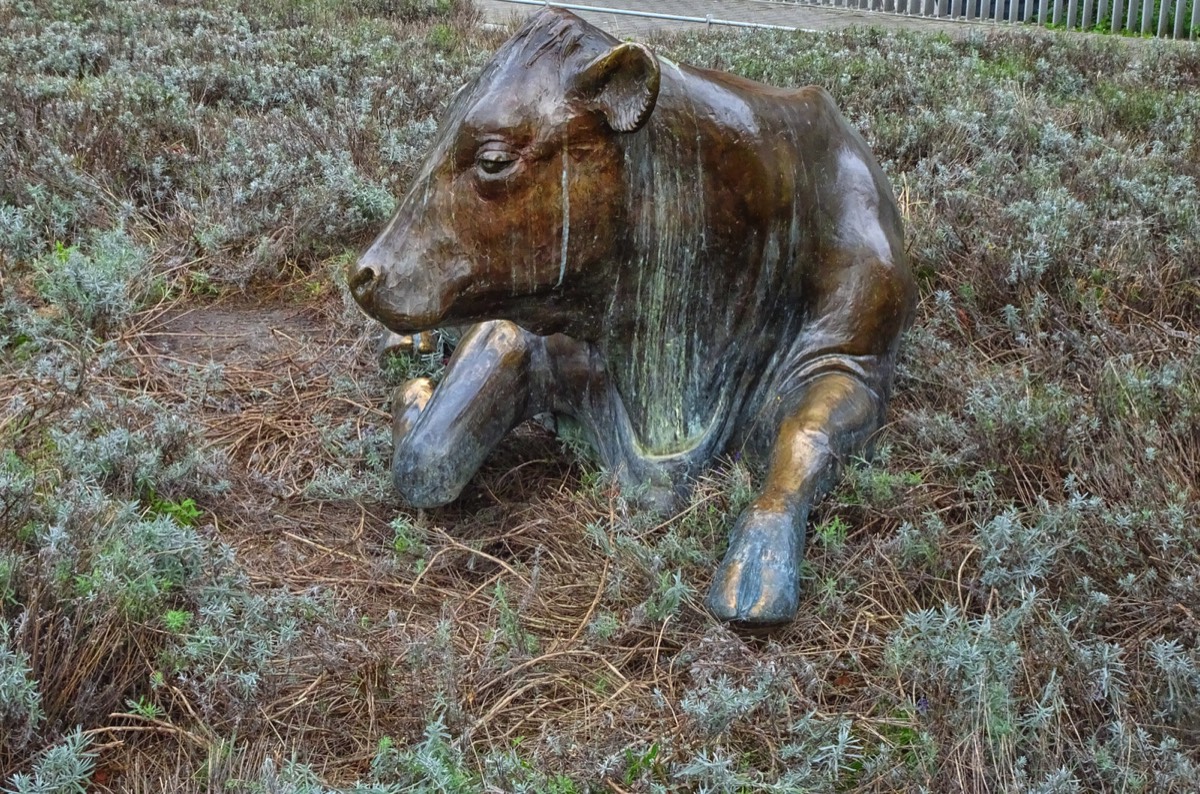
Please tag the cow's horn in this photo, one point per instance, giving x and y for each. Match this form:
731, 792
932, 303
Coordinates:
623, 85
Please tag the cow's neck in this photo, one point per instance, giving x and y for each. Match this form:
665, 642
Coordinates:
706, 296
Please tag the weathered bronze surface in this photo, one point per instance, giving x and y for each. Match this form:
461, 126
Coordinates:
687, 262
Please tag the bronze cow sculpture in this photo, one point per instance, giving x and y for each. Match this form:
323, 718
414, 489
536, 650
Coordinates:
688, 263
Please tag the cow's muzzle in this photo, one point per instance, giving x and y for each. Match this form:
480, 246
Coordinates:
405, 297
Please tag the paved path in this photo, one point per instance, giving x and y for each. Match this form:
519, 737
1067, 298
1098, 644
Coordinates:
762, 12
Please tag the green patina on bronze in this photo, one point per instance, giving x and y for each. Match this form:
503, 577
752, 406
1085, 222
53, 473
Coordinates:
685, 262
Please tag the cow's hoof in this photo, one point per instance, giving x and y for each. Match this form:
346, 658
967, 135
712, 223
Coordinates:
428, 472
758, 583
408, 401
394, 344
433, 484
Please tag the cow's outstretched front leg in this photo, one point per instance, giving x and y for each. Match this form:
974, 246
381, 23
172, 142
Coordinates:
441, 435
758, 583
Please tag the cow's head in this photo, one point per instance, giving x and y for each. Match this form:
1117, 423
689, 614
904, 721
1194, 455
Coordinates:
518, 206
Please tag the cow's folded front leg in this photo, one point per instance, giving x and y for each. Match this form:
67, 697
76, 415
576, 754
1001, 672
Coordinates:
758, 583
442, 434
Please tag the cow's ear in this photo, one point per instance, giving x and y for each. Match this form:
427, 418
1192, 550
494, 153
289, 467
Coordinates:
623, 85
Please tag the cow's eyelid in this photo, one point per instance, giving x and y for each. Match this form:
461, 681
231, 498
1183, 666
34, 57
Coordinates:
494, 161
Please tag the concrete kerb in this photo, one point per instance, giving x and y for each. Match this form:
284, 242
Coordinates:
624, 18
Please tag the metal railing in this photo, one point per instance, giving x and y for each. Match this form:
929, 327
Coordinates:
1162, 18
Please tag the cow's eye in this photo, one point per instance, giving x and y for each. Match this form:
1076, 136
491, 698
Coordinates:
493, 160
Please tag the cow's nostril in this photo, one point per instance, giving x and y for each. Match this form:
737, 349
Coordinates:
361, 280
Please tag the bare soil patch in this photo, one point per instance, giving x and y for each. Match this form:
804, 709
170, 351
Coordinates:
249, 336
265, 371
